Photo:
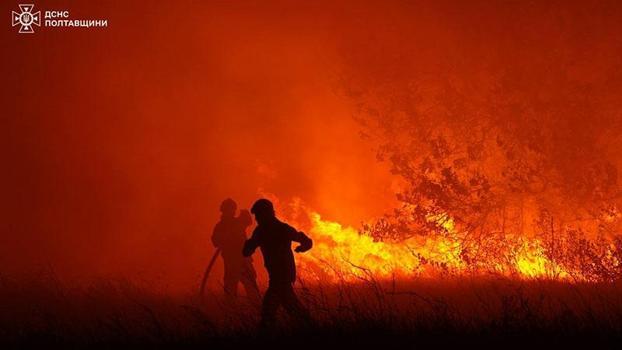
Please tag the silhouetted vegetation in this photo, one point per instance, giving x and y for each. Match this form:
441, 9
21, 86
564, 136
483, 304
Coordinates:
440, 312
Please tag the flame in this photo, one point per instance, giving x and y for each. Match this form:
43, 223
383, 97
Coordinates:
343, 253
530, 260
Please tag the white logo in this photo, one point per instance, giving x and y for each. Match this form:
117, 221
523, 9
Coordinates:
26, 19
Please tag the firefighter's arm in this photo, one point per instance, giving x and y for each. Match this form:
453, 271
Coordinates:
251, 244
305, 242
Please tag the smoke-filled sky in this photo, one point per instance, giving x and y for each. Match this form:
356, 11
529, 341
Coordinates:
119, 143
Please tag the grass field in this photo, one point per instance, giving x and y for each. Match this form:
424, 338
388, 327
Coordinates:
418, 313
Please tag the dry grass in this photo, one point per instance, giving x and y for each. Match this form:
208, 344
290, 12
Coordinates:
436, 312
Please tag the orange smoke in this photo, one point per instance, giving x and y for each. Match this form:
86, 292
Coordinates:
120, 144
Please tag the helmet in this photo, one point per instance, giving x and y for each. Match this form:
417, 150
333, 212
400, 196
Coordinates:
228, 206
262, 206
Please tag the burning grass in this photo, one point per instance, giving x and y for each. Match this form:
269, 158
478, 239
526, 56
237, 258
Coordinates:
360, 289
346, 253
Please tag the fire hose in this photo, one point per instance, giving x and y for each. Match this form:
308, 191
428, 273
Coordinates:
207, 271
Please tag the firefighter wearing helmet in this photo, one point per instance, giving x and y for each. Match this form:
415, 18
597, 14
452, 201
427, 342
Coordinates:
275, 238
229, 236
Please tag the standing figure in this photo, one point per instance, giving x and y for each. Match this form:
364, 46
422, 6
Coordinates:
275, 238
229, 236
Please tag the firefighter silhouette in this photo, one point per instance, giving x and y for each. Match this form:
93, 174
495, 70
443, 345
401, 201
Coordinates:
229, 236
274, 238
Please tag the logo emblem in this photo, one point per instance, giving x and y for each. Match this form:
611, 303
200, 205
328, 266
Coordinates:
26, 18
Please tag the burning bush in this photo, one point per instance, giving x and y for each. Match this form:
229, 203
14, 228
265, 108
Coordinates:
508, 157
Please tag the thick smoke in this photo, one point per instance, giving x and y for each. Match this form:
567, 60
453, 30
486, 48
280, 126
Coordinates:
119, 144
501, 117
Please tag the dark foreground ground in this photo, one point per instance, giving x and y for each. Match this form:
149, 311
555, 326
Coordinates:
490, 312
